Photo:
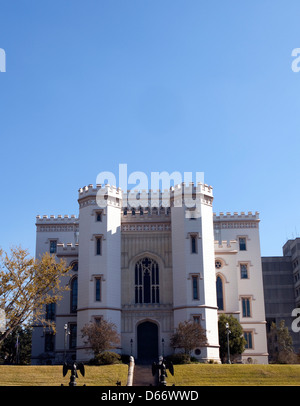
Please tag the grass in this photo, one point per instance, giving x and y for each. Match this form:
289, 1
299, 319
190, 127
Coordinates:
31, 375
185, 375
236, 374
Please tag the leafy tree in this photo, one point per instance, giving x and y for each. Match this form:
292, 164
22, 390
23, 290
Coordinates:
27, 285
280, 344
236, 338
16, 348
188, 336
101, 336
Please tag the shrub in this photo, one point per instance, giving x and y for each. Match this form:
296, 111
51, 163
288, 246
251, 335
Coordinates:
106, 358
194, 359
179, 358
125, 358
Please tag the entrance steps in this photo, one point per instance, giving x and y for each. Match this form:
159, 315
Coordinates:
143, 375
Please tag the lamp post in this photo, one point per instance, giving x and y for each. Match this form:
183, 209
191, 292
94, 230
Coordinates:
65, 340
163, 346
228, 352
131, 342
17, 350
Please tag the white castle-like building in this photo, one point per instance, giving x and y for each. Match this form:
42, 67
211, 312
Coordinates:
150, 267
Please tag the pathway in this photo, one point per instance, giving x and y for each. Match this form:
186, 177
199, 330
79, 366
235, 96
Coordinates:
142, 375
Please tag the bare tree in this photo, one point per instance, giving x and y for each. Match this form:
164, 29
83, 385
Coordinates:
101, 336
188, 336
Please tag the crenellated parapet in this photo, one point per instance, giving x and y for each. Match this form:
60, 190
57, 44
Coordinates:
59, 219
57, 223
90, 190
226, 245
67, 250
189, 194
236, 220
183, 193
235, 215
191, 188
100, 196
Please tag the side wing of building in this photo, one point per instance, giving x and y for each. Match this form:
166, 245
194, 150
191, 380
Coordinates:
239, 279
58, 236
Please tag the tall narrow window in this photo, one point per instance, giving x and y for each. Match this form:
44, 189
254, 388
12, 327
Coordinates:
98, 319
98, 289
98, 216
246, 308
74, 294
53, 246
74, 266
242, 244
193, 244
50, 311
98, 245
249, 339
197, 319
195, 287
244, 271
49, 342
220, 299
146, 281
73, 336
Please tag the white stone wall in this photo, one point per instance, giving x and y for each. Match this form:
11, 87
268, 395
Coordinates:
64, 230
106, 266
228, 229
165, 237
199, 264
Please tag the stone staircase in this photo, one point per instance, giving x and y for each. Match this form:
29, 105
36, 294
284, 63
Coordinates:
143, 375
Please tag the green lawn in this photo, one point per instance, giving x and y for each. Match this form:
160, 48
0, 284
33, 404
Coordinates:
185, 375
236, 374
30, 375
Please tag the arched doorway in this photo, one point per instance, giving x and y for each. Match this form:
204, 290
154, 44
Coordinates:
147, 340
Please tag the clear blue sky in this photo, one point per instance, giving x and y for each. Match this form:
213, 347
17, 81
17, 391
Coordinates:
162, 85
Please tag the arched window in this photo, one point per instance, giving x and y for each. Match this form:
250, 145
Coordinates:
74, 266
220, 298
74, 294
146, 281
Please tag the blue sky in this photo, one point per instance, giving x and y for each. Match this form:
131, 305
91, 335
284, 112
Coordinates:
166, 85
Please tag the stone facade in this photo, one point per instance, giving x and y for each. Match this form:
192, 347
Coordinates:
149, 267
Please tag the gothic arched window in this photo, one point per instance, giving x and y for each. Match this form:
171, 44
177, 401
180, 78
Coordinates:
146, 281
220, 298
74, 294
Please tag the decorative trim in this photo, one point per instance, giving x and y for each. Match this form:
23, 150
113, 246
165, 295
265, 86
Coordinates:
253, 322
99, 308
97, 275
66, 315
235, 224
195, 307
58, 228
89, 201
198, 274
146, 227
